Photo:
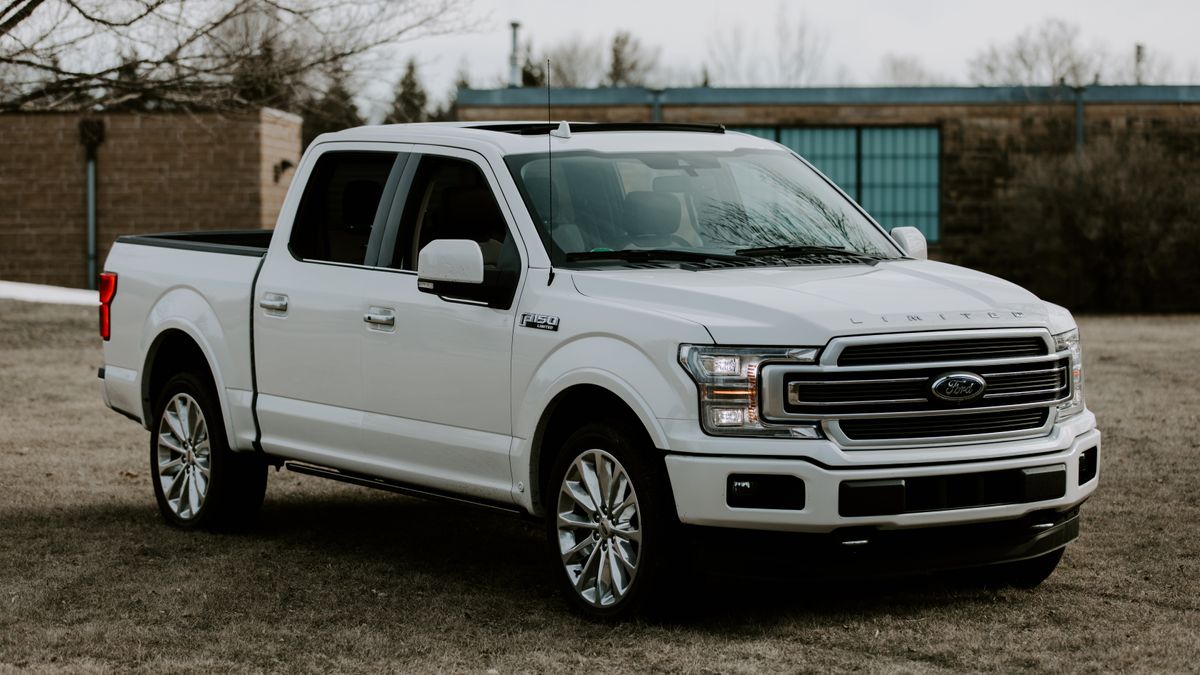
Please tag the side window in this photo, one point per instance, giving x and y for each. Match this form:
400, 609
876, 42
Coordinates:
450, 199
339, 205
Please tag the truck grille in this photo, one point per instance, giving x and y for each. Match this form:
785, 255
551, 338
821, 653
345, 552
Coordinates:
940, 388
909, 390
944, 425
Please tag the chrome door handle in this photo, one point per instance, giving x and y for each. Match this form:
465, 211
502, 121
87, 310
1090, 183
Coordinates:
380, 316
274, 302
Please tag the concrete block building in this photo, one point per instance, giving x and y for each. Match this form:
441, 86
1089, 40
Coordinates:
153, 172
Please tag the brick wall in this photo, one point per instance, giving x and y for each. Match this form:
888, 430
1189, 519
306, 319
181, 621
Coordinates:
980, 143
155, 173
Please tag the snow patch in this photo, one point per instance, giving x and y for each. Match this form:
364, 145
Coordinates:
15, 290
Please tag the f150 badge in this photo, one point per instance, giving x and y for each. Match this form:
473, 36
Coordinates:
539, 321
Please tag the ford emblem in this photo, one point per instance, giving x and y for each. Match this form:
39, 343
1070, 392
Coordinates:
958, 387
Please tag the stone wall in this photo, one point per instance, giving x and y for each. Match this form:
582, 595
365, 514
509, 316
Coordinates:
156, 172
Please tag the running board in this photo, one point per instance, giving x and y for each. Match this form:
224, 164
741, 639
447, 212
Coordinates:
401, 488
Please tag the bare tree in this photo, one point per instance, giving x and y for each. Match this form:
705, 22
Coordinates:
1043, 55
61, 54
1141, 65
630, 62
799, 49
577, 62
793, 54
906, 70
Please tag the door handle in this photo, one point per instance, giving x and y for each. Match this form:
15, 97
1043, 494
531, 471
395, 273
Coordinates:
380, 316
274, 302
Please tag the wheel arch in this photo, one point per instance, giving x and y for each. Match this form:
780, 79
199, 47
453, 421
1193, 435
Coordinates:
175, 350
573, 406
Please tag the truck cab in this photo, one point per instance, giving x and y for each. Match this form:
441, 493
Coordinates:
655, 339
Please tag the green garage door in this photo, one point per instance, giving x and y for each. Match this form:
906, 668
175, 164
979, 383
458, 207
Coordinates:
891, 171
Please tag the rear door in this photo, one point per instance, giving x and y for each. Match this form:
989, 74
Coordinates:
437, 381
310, 307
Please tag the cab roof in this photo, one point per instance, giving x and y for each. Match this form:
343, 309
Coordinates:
520, 137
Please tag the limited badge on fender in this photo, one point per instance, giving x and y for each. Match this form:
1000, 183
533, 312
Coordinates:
539, 321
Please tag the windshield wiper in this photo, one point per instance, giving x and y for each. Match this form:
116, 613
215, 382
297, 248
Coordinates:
798, 250
649, 255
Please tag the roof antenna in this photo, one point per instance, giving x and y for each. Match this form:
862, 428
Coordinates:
550, 173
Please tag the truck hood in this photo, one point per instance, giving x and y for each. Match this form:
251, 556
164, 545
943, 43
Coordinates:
810, 305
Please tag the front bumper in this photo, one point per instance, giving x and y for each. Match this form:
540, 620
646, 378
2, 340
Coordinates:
699, 483
859, 552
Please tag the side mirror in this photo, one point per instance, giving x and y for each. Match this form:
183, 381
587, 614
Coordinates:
452, 269
452, 261
912, 241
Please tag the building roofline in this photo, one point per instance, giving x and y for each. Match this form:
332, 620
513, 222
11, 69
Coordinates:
615, 96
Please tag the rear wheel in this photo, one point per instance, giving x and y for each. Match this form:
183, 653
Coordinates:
199, 482
610, 521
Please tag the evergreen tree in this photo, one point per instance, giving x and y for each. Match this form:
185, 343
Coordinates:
449, 111
411, 99
532, 74
332, 110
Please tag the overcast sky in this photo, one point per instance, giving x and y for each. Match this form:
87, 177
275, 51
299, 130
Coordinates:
943, 34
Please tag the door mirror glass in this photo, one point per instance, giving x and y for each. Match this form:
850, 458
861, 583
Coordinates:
912, 241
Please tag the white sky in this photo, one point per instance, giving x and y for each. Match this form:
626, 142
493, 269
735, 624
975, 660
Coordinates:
943, 34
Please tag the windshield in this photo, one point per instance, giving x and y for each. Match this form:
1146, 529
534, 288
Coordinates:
719, 203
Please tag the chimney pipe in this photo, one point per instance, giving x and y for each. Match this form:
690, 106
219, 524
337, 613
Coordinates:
514, 61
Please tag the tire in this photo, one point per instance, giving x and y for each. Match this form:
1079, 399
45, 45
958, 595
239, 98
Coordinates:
199, 482
610, 562
1027, 574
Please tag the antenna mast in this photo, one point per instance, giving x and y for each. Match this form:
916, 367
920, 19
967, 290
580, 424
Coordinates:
550, 174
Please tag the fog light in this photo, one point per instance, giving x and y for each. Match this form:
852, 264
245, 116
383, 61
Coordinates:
764, 491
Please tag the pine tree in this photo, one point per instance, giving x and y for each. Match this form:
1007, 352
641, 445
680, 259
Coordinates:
333, 110
411, 99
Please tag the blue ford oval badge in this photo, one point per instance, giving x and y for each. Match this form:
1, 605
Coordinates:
958, 387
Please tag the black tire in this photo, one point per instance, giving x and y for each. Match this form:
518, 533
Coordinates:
1026, 574
656, 521
236, 481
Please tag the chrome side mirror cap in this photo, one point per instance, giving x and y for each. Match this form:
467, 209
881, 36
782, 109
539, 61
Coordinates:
912, 241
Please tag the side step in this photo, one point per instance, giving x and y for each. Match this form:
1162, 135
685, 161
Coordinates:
401, 488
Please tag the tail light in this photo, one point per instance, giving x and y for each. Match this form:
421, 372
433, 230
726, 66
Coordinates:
108, 290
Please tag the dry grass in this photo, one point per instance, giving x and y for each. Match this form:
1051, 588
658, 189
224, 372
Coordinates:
341, 578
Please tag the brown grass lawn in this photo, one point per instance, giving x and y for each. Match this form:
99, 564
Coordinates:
342, 578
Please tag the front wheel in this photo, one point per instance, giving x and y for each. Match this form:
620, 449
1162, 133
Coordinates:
610, 521
199, 482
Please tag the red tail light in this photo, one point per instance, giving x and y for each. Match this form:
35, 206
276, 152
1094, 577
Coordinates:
108, 290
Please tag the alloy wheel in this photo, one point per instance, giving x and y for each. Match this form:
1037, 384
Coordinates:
599, 528
184, 459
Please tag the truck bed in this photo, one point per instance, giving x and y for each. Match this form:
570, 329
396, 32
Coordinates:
197, 283
236, 242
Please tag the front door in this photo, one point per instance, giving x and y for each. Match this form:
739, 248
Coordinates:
436, 380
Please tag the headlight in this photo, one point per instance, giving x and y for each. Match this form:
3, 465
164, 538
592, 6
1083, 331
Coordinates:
727, 378
1069, 341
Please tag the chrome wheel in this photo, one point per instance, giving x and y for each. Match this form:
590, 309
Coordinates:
599, 528
184, 458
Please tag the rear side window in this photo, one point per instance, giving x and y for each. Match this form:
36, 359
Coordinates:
340, 206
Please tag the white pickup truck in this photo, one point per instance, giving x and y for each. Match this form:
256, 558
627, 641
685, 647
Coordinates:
674, 344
